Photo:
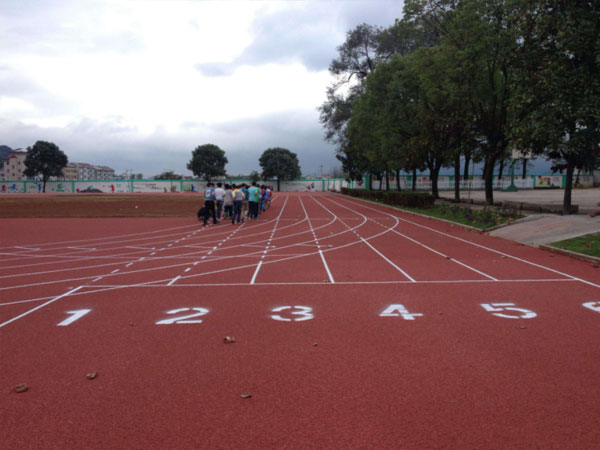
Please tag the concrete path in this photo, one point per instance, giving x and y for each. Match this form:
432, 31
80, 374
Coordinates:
542, 229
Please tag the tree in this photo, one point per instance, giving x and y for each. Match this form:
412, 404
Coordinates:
557, 84
168, 175
45, 159
208, 161
254, 176
281, 163
357, 57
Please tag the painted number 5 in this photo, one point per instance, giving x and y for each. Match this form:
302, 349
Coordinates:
300, 312
497, 310
183, 319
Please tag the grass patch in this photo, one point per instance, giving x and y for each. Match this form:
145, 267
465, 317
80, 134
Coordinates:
478, 218
588, 245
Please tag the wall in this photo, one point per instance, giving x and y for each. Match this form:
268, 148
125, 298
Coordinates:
156, 186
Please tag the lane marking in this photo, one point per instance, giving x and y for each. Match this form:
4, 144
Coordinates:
26, 313
256, 272
391, 262
174, 280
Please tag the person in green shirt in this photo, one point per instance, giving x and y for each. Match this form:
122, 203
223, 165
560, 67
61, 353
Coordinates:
253, 199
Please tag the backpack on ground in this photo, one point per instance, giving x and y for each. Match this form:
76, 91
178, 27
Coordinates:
202, 213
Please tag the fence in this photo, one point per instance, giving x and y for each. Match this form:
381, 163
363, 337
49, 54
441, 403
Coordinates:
446, 182
157, 186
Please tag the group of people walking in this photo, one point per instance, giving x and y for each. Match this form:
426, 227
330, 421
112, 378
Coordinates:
235, 202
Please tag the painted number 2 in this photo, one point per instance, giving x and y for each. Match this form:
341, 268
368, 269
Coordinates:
300, 313
498, 309
183, 319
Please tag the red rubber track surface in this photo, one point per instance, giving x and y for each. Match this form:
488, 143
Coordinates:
302, 290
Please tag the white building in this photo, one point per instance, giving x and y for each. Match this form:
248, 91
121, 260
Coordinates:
14, 165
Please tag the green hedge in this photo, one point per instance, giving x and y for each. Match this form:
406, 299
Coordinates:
401, 198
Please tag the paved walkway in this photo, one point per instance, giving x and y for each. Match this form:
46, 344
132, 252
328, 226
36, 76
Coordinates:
540, 229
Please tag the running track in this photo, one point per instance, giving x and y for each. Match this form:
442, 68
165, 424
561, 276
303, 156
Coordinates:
356, 326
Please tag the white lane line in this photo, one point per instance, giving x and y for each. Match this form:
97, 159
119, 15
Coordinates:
312, 230
174, 280
99, 278
326, 267
115, 271
188, 269
127, 265
151, 284
256, 272
40, 306
421, 244
485, 248
268, 242
391, 262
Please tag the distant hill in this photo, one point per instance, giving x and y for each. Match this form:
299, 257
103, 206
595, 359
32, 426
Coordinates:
4, 149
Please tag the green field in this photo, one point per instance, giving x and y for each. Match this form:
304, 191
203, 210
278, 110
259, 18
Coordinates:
588, 245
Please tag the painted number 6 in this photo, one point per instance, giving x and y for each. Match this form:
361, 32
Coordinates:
497, 308
302, 313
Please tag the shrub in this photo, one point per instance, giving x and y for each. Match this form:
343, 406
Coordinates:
400, 198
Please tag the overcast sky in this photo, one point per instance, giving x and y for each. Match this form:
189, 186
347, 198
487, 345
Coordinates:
139, 84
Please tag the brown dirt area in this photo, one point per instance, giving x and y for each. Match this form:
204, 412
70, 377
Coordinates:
99, 205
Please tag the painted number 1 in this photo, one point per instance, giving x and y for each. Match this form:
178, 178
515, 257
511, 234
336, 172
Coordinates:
75, 315
594, 306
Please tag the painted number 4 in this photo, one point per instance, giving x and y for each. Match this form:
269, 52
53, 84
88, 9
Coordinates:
399, 311
498, 309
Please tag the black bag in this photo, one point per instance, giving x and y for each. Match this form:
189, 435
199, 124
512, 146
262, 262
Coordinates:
202, 212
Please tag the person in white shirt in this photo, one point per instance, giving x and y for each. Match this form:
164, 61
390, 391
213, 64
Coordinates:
219, 197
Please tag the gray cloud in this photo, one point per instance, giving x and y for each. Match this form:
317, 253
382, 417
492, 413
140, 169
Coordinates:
309, 35
113, 144
48, 27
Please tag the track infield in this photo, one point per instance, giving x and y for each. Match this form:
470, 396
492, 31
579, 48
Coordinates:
356, 326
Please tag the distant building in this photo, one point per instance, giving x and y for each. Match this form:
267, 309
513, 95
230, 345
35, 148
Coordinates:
14, 165
70, 172
104, 173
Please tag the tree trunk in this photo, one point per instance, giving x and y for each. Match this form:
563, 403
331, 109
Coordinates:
524, 168
433, 175
278, 185
414, 179
398, 179
501, 169
44, 179
488, 176
457, 178
387, 179
466, 172
568, 188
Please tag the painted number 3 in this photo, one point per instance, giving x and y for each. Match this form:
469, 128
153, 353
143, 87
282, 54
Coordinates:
299, 313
